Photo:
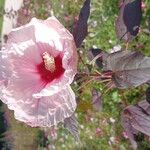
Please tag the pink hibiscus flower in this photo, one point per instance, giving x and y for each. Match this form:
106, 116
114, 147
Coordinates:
37, 65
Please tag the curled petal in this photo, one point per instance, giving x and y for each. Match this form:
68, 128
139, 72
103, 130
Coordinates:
46, 111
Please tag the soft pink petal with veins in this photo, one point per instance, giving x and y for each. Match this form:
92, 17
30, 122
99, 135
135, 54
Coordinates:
38, 99
47, 111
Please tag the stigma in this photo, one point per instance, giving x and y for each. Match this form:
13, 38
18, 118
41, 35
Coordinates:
49, 62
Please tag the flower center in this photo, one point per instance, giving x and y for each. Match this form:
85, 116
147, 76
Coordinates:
49, 62
50, 68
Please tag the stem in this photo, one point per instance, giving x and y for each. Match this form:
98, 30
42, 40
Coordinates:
89, 74
85, 84
82, 79
95, 58
107, 77
98, 72
111, 85
81, 59
108, 84
106, 80
127, 45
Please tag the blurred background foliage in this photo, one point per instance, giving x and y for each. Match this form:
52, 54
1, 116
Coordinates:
1, 13
98, 130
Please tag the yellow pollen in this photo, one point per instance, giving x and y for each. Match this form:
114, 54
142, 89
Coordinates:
49, 62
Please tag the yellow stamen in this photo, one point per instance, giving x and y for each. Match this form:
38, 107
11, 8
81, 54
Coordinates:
49, 62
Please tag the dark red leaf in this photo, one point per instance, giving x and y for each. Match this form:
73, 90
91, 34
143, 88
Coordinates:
130, 131
148, 95
132, 16
145, 106
148, 82
136, 119
96, 100
128, 21
71, 125
81, 28
130, 68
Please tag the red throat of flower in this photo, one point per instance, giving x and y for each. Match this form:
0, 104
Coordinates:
51, 67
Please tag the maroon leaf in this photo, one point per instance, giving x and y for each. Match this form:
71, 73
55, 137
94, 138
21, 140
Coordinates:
130, 68
81, 28
148, 82
96, 100
128, 21
145, 106
71, 125
148, 95
130, 131
136, 119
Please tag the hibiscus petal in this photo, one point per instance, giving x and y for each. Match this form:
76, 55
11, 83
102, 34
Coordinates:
53, 23
38, 96
69, 61
5, 71
46, 111
26, 45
